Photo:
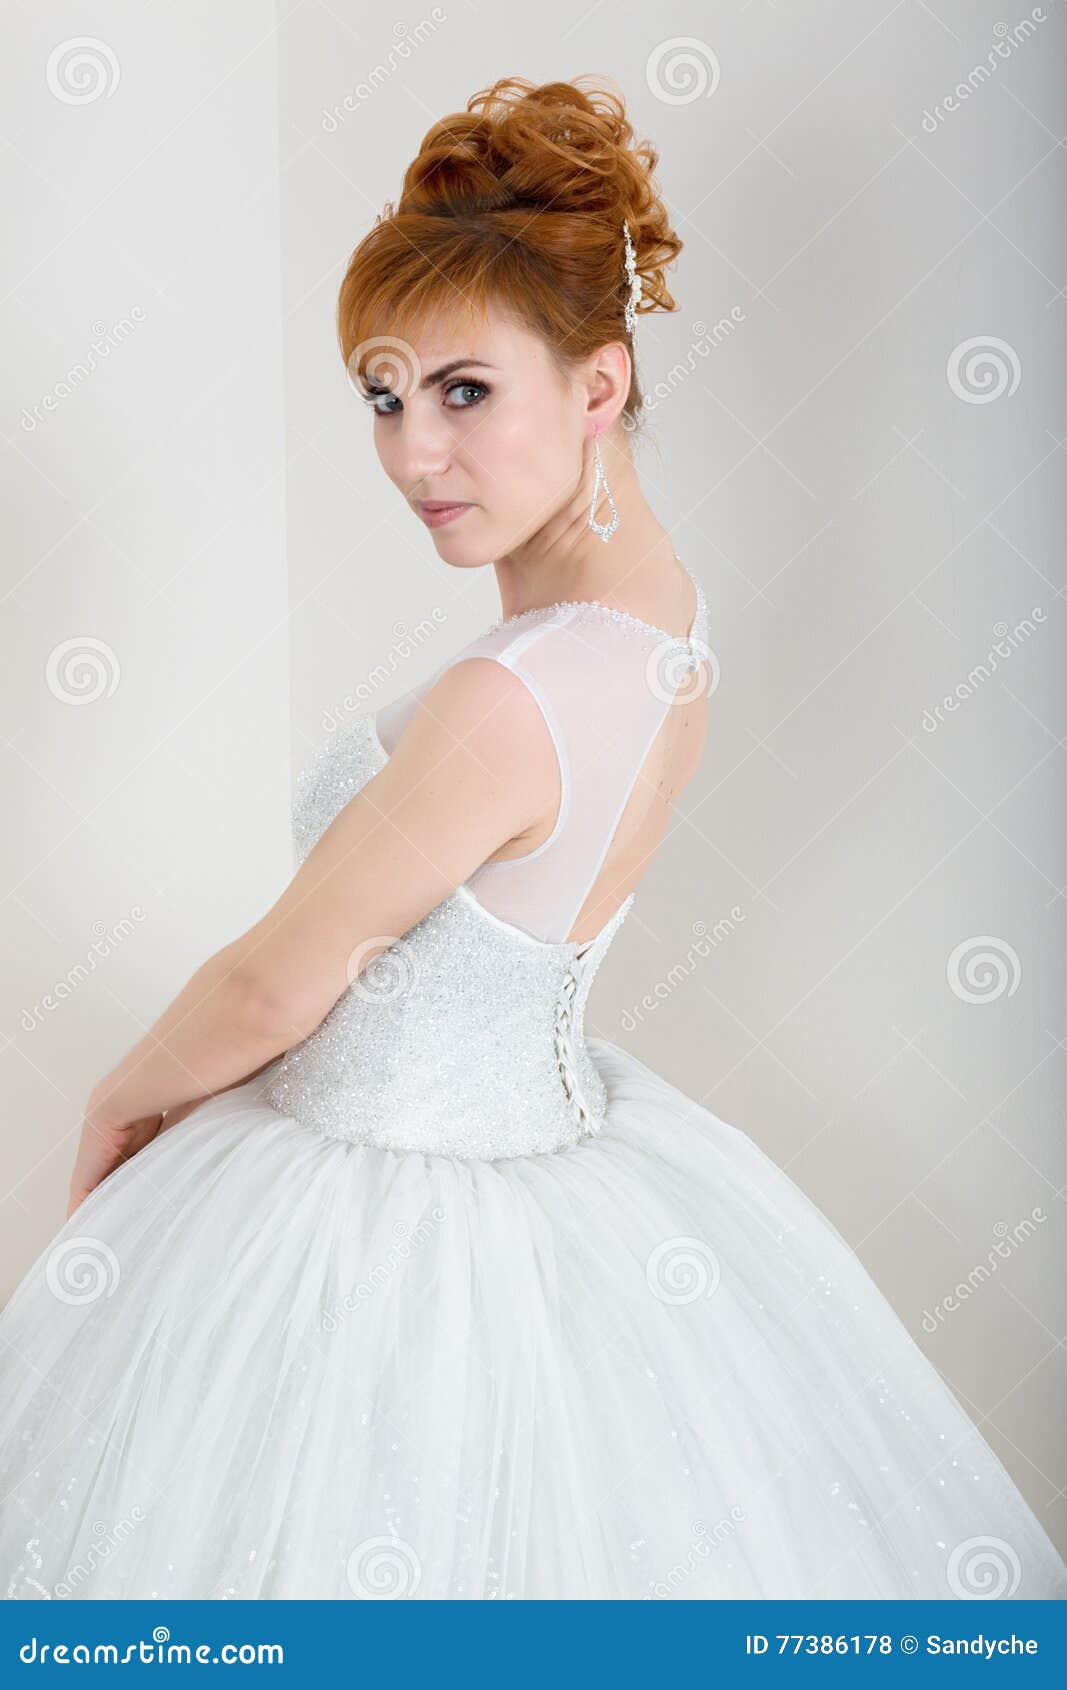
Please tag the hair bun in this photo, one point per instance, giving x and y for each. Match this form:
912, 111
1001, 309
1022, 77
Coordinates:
556, 146
518, 202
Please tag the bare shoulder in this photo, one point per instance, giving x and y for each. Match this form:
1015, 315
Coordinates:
465, 778
479, 712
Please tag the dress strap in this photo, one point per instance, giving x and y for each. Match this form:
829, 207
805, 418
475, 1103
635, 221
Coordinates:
605, 681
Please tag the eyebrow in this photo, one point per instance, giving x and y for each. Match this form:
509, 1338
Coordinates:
456, 364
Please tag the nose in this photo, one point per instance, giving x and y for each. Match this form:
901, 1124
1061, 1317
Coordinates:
420, 448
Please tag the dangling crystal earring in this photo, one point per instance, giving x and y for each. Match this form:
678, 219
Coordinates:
604, 529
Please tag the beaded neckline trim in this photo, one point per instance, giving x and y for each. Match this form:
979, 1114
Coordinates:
622, 616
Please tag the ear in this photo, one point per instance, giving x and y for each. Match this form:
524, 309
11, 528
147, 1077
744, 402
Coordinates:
607, 378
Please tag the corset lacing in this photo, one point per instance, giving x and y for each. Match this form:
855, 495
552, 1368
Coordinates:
563, 1037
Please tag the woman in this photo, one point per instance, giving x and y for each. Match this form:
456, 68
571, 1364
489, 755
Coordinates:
428, 1294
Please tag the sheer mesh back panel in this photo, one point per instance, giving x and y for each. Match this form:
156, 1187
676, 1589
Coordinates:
594, 679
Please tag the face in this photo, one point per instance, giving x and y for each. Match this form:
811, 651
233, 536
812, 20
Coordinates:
500, 434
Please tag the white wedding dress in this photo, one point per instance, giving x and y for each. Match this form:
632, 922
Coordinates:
457, 1301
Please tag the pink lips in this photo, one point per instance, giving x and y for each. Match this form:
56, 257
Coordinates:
436, 512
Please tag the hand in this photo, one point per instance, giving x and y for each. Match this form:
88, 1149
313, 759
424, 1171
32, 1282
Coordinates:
104, 1145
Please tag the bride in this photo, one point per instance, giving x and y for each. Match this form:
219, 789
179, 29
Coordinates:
381, 1278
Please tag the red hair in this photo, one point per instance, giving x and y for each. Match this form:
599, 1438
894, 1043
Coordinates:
518, 201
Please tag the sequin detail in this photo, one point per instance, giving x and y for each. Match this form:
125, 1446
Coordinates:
410, 1056
697, 635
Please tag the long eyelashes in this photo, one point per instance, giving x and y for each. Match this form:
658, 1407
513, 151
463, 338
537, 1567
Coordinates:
372, 395
477, 387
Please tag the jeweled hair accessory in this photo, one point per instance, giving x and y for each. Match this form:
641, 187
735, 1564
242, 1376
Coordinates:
634, 280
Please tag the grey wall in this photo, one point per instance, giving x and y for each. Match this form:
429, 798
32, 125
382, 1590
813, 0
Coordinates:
144, 615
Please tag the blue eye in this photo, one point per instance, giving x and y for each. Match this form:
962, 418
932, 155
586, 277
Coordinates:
476, 387
372, 398
385, 403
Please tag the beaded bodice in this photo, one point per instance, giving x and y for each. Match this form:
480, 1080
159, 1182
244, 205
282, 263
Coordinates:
466, 1036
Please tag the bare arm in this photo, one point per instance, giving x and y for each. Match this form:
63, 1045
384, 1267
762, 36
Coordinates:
474, 768
204, 1042
212, 1034
177, 1113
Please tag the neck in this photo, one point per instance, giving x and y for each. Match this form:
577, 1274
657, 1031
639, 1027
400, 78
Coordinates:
636, 570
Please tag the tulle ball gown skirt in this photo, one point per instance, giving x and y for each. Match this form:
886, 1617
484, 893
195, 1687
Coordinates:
263, 1362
